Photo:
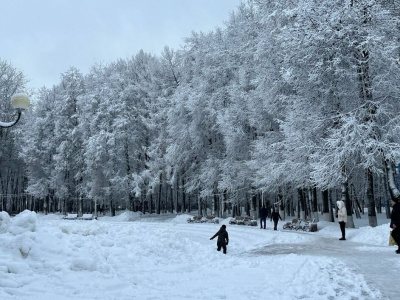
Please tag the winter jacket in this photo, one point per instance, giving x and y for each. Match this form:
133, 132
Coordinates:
275, 216
223, 238
395, 216
263, 213
342, 211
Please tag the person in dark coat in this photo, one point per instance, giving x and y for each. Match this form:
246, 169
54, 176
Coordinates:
263, 216
223, 238
395, 223
275, 216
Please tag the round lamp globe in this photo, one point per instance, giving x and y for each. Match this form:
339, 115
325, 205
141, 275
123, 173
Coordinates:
20, 101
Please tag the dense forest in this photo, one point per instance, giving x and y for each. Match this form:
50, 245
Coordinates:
292, 103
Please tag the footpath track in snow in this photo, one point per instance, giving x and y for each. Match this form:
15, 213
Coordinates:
372, 263
379, 265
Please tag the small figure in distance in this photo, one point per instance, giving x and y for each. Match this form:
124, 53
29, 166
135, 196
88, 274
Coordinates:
275, 216
342, 218
223, 239
263, 216
395, 223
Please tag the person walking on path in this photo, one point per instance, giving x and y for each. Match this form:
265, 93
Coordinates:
223, 238
275, 216
263, 216
395, 223
342, 218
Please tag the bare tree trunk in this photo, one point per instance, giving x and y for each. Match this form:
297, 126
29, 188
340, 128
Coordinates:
315, 204
301, 204
393, 191
346, 199
200, 211
80, 206
215, 206
281, 203
174, 187
224, 204
158, 209
183, 196
387, 195
371, 200
358, 208
45, 209
325, 206
254, 205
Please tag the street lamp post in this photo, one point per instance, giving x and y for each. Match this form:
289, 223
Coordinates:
19, 102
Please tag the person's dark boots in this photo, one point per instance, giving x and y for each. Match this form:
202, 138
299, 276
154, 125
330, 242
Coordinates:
342, 239
398, 251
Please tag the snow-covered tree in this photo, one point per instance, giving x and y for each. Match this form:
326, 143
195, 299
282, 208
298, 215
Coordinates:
12, 167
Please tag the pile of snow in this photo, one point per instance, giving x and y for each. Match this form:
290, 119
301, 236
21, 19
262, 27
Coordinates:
181, 218
378, 235
126, 216
25, 221
5, 221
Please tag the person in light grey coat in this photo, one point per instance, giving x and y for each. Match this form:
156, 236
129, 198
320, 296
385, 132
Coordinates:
342, 218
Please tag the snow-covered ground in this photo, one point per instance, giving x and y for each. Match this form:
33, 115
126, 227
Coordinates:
164, 257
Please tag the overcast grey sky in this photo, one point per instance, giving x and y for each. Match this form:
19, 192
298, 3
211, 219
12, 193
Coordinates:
43, 38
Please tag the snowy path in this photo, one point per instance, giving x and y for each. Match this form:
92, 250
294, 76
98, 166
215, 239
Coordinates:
377, 264
374, 263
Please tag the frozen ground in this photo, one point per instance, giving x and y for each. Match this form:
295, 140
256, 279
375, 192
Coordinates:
152, 257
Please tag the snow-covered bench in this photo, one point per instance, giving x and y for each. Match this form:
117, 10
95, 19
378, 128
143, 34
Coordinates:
240, 220
212, 219
297, 224
87, 217
310, 225
71, 217
200, 219
194, 219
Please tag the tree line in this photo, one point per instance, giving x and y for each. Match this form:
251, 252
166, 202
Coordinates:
291, 103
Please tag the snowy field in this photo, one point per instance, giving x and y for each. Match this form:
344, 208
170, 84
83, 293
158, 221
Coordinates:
151, 257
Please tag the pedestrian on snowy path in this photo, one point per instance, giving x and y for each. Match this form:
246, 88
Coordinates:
223, 238
395, 223
342, 218
263, 216
275, 216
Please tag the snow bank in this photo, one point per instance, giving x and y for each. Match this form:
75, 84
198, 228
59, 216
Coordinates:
83, 264
378, 235
128, 216
181, 218
23, 222
5, 221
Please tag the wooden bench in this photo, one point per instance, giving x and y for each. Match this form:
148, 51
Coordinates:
71, 217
